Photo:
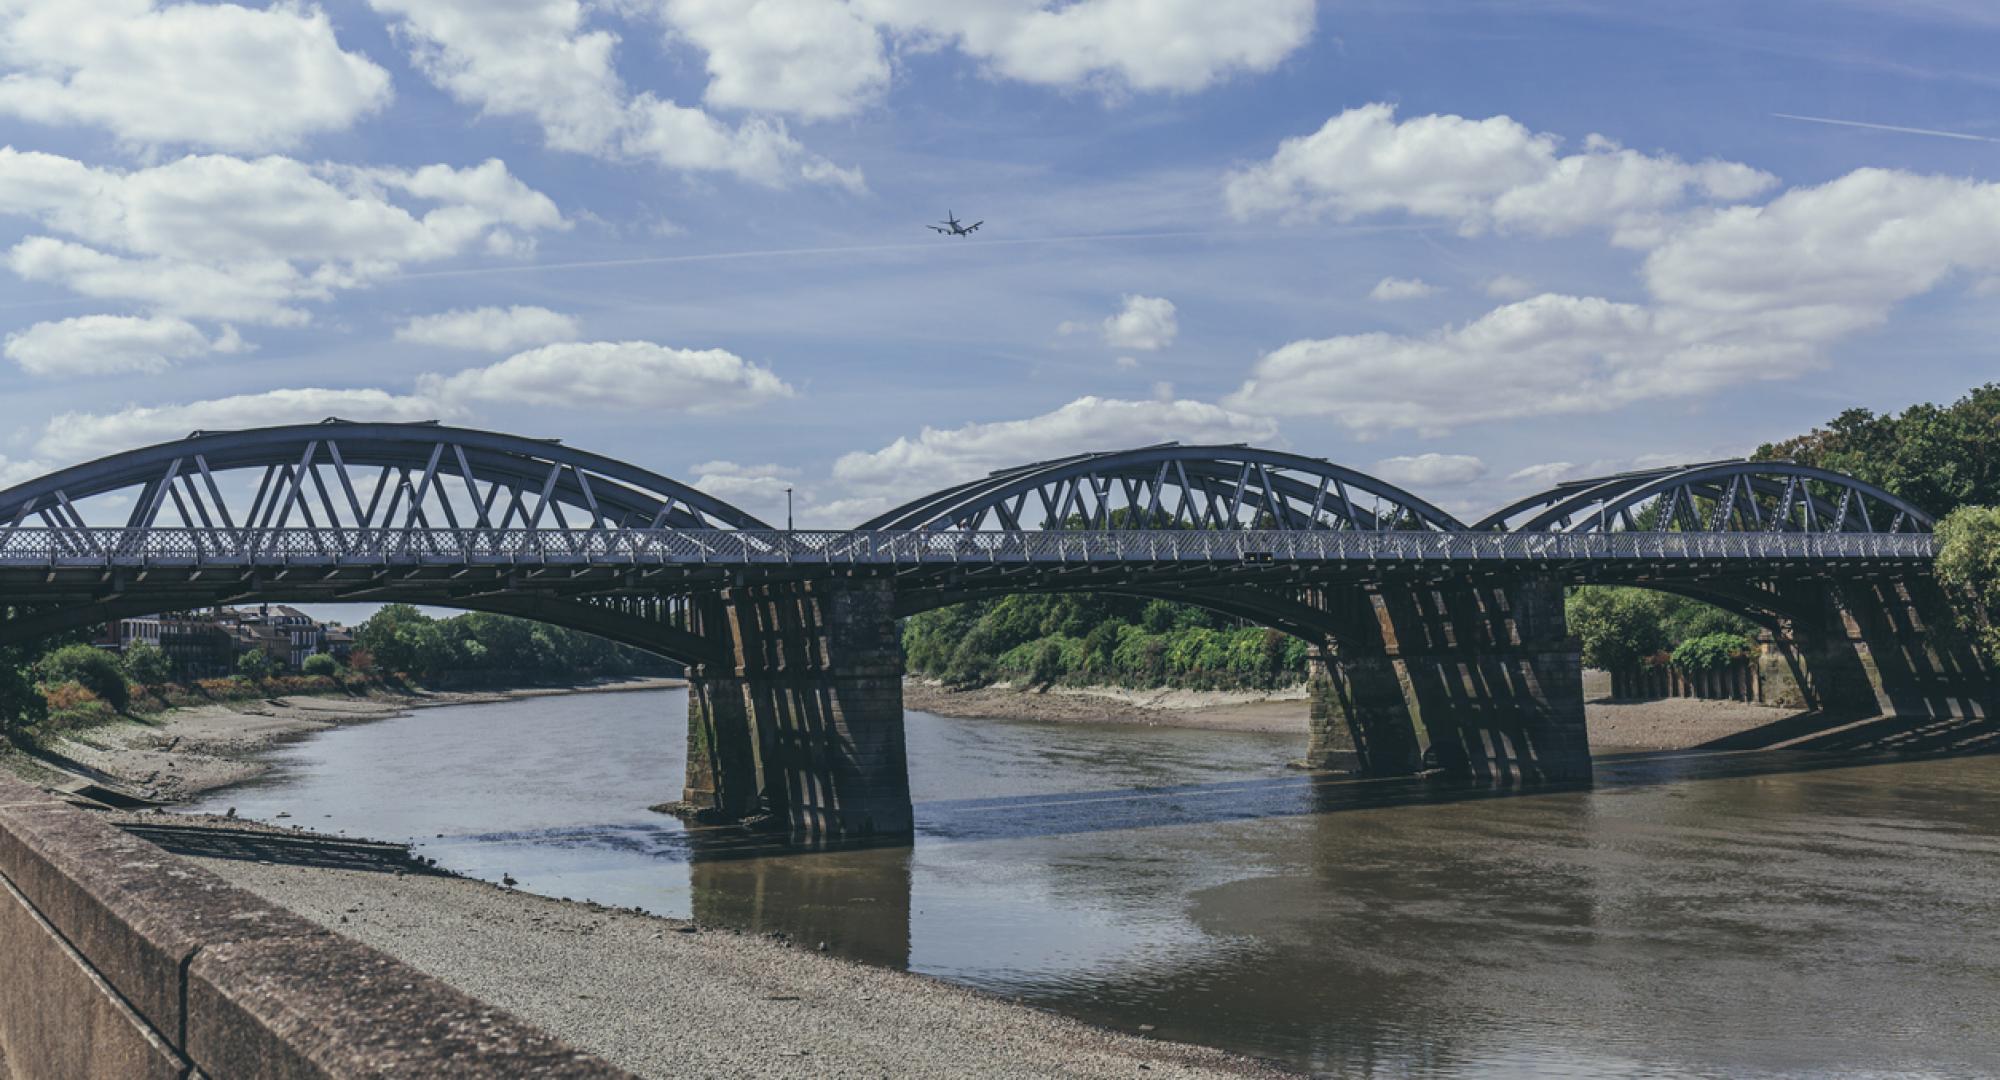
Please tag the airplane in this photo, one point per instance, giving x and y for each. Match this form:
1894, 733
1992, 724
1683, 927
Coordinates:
950, 226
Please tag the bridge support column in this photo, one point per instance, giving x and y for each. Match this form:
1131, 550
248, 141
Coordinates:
807, 725
1360, 720
1496, 679
1874, 648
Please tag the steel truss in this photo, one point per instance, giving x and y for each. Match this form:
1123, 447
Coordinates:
421, 512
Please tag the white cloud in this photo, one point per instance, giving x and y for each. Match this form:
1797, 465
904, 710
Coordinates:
1145, 323
1480, 174
1737, 295
249, 240
111, 344
811, 58
937, 458
760, 489
1395, 288
77, 435
1550, 473
614, 375
1547, 355
1820, 262
1149, 45
14, 472
489, 329
213, 75
1126, 363
1508, 287
534, 59
1430, 470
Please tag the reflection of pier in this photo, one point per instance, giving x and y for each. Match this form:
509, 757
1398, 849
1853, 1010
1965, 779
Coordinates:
854, 898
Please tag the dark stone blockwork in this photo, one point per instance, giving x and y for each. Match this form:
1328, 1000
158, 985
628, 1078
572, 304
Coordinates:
117, 959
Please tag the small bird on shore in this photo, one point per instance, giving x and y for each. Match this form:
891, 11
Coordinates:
508, 880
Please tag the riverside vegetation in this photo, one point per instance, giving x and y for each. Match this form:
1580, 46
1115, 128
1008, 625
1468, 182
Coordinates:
1945, 458
69, 685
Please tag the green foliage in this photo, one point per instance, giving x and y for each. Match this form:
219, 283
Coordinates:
1938, 457
147, 665
1619, 628
400, 638
1622, 627
1082, 638
90, 667
320, 664
1968, 565
22, 707
256, 665
1712, 652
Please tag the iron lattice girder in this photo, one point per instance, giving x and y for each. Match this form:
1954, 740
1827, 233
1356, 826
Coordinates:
1189, 486
1725, 496
360, 475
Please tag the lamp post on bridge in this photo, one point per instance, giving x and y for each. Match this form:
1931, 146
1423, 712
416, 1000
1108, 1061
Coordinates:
788, 509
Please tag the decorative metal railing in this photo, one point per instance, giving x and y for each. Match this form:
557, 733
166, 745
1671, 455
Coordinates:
183, 547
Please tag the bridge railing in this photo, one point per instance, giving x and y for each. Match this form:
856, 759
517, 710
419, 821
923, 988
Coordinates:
37, 547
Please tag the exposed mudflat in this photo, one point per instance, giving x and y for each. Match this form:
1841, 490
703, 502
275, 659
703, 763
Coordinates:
184, 752
1666, 724
664, 998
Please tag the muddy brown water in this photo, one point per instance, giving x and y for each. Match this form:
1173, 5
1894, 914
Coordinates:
1689, 915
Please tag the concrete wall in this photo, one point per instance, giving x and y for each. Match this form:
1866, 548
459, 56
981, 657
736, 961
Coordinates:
119, 960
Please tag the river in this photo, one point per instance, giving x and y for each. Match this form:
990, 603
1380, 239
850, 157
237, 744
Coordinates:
1691, 915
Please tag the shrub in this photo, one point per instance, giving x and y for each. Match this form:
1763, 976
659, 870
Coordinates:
321, 664
1711, 652
147, 665
92, 667
256, 665
1968, 564
21, 705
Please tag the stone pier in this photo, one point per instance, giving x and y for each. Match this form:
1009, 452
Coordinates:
1485, 669
804, 723
1886, 647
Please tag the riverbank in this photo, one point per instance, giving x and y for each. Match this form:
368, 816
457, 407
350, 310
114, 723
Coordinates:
1666, 724
175, 755
666, 998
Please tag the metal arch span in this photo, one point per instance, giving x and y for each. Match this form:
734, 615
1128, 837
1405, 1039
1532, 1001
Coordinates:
1714, 497
1171, 486
367, 476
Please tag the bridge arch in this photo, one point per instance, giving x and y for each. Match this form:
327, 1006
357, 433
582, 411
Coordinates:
342, 474
1720, 496
1176, 487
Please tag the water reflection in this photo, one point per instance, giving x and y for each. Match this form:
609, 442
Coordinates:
1691, 914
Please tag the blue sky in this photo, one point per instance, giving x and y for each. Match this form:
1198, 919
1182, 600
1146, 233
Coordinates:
1469, 246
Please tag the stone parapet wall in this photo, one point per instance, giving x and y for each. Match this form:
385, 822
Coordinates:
120, 960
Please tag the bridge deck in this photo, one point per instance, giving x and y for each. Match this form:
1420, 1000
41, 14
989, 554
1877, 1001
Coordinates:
222, 548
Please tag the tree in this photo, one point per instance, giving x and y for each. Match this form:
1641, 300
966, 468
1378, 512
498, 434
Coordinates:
22, 706
90, 667
1618, 627
256, 665
147, 665
1711, 652
321, 664
1968, 564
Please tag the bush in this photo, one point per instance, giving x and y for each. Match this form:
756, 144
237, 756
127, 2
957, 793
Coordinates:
256, 665
321, 664
21, 705
91, 667
1968, 564
1712, 652
147, 665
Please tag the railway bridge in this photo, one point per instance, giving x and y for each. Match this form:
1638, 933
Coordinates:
1423, 627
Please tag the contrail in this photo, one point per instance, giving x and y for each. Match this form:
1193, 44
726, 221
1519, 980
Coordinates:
856, 249
1889, 127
